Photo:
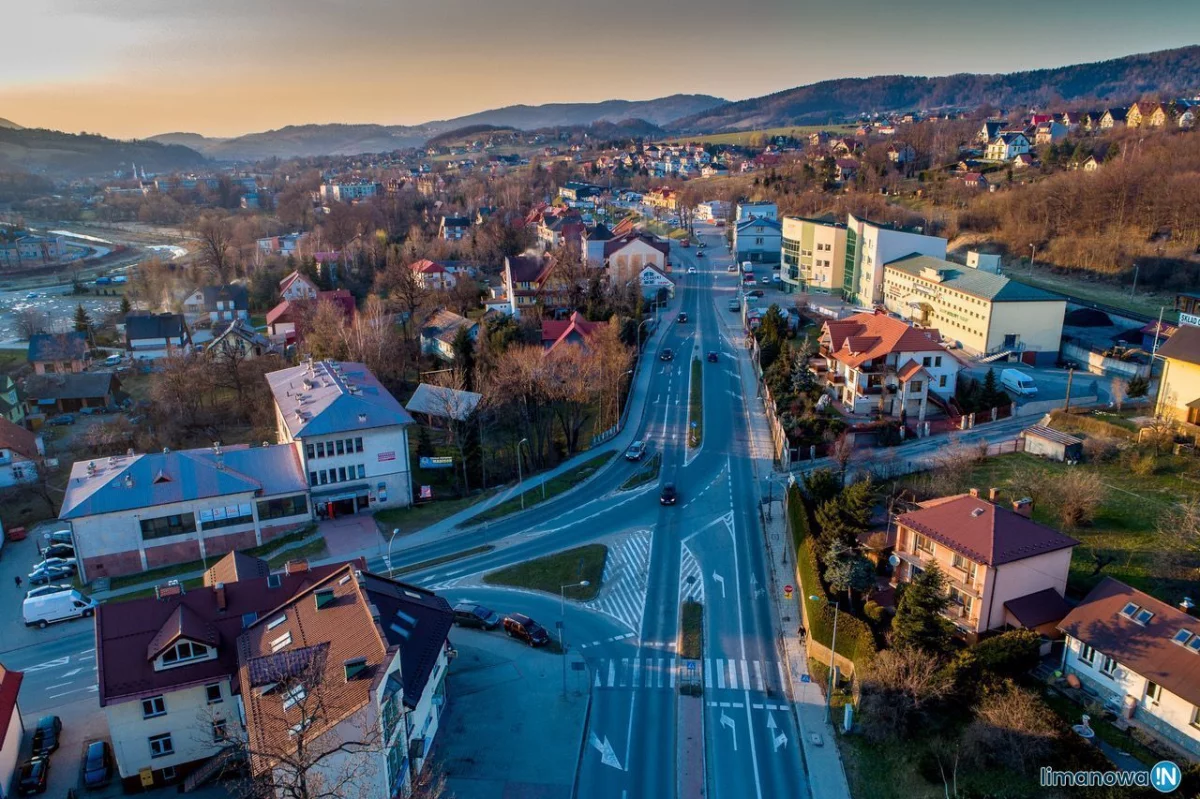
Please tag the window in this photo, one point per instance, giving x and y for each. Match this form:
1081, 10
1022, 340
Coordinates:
926, 361
341, 447
163, 526
1086, 653
282, 641
942, 381
227, 516
320, 449
293, 695
324, 477
916, 385
1108, 666
284, 507
341, 474
358, 445
168, 773
1153, 692
937, 361
362, 471
183, 652
922, 544
154, 706
161, 745
312, 481
310, 451
212, 693
218, 731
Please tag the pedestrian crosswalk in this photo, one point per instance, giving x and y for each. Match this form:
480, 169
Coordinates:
664, 672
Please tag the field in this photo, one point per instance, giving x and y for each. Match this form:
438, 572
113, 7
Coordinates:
1143, 302
551, 573
743, 138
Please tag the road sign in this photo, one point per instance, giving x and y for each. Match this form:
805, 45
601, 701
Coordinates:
805, 678
787, 592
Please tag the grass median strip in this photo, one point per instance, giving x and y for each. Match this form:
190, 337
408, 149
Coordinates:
409, 520
696, 406
691, 633
646, 474
553, 487
429, 564
552, 572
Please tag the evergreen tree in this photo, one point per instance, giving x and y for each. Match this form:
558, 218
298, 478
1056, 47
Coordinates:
83, 322
833, 529
919, 622
821, 485
990, 396
126, 307
464, 357
849, 571
857, 502
424, 443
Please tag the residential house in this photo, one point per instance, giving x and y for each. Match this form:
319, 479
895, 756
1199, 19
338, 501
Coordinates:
747, 211
434, 405
349, 433
1007, 145
558, 231
432, 276
525, 279
975, 180
984, 313
285, 319
352, 657
869, 246
758, 240
239, 341
1002, 568
1090, 121
1140, 658
1050, 132
1179, 385
1112, 118
12, 729
592, 241
876, 362
1090, 164
573, 330
1137, 114
218, 303
11, 407
989, 130
664, 197
290, 244
167, 668
51, 394
135, 512
1161, 115
575, 192
454, 228
626, 256
296, 286
20, 451
1022, 161
900, 153
58, 352
813, 255
654, 283
151, 337
440, 331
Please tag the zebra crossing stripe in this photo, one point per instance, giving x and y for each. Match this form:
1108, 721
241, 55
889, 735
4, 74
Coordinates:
672, 674
745, 675
612, 672
732, 674
635, 681
707, 673
758, 675
624, 672
720, 673
782, 680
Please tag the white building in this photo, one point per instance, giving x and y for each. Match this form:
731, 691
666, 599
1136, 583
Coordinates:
31, 250
1006, 146
712, 210
759, 240
348, 190
350, 435
869, 246
746, 211
295, 287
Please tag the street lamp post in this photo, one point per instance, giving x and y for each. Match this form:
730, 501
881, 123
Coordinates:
395, 530
832, 652
562, 625
524, 441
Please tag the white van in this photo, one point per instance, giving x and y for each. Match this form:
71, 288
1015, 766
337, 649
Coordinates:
747, 268
47, 609
1018, 382
112, 360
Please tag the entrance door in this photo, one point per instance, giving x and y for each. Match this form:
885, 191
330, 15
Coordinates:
344, 507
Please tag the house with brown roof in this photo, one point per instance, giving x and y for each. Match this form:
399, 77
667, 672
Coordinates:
346, 682
875, 361
573, 330
12, 729
625, 256
526, 278
441, 329
20, 450
1140, 657
1003, 569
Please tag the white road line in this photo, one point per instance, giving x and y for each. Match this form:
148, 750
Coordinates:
624, 672
720, 673
64, 693
757, 707
707, 673
745, 676
758, 675
597, 682
60, 685
782, 681
612, 672
672, 674
732, 674
635, 680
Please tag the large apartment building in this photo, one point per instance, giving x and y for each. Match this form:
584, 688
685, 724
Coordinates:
814, 255
869, 246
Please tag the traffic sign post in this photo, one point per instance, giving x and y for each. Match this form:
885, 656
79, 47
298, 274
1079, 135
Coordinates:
787, 592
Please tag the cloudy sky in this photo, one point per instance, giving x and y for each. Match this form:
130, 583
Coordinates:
224, 67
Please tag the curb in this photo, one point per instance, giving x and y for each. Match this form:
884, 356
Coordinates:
587, 719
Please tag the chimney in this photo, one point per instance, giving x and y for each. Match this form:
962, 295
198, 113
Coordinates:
219, 591
1023, 507
296, 566
975, 493
993, 495
1187, 605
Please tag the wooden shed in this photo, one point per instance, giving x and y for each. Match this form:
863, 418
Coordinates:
1053, 444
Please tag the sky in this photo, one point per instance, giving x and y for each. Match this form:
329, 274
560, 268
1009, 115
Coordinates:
134, 68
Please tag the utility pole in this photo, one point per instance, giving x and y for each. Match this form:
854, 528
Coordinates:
1133, 290
1070, 377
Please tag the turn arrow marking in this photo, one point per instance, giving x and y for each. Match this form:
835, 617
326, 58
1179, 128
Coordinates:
728, 722
777, 740
607, 756
720, 580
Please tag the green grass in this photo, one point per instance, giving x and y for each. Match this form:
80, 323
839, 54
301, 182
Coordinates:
1147, 303
309, 551
552, 572
691, 630
429, 564
696, 406
1072, 713
12, 360
646, 474
553, 487
411, 519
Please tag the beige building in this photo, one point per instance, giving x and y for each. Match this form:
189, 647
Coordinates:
1179, 385
1002, 568
813, 255
983, 312
626, 256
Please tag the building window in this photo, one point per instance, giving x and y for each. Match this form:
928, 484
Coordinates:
362, 471
310, 451
161, 745
212, 693
341, 474
1153, 692
942, 381
312, 481
1196, 717
320, 449
324, 477
1108, 666
168, 773
227, 516
164, 526
341, 447
184, 652
293, 695
218, 731
284, 507
926, 361
1086, 653
154, 706
922, 544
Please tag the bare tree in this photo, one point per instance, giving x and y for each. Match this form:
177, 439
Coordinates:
1120, 391
215, 236
31, 321
1013, 728
1079, 493
1177, 555
451, 402
898, 689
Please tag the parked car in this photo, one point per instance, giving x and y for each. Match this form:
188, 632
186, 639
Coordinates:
97, 765
59, 537
691, 270
735, 304
33, 776
45, 736
636, 450
91, 411
469, 614
61, 420
112, 360
683, 317
668, 495
518, 625
766, 280
666, 355
48, 574
1018, 382
731, 268
44, 610
46, 590
57, 561
713, 357
754, 293
65, 551
700, 253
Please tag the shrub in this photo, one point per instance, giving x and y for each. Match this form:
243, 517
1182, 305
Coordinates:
1009, 654
1101, 450
873, 611
1144, 464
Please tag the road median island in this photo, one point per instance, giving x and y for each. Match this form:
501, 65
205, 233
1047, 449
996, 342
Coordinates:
551, 572
696, 406
647, 474
553, 487
429, 564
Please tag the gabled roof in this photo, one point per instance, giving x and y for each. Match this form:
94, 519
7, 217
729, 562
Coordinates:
1183, 345
443, 402
576, 330
325, 397
286, 309
618, 243
984, 532
184, 623
293, 277
1148, 650
149, 326
427, 267
70, 385
977, 283
598, 232
240, 329
528, 268
45, 347
444, 325
910, 370
417, 621
18, 439
230, 292
866, 336
456, 221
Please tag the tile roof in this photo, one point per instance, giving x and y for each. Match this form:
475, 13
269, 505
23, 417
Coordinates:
866, 336
1038, 608
10, 686
576, 330
977, 283
18, 439
910, 370
442, 402
1183, 345
291, 278
149, 326
70, 346
73, 385
125, 630
325, 397
182, 623
617, 243
984, 532
427, 267
1148, 650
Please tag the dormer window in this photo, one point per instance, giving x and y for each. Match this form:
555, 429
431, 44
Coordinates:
1137, 614
293, 695
185, 652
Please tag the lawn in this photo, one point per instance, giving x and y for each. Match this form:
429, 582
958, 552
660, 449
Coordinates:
1143, 302
310, 551
696, 406
552, 488
691, 630
1072, 713
647, 473
552, 572
12, 360
409, 520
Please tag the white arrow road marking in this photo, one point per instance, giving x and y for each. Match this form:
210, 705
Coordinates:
720, 580
777, 740
607, 756
49, 664
728, 722
72, 672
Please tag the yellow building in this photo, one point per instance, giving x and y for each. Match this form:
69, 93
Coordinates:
814, 255
1179, 386
984, 312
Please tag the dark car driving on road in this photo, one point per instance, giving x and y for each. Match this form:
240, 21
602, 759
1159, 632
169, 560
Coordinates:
669, 495
667, 355
518, 625
636, 450
469, 614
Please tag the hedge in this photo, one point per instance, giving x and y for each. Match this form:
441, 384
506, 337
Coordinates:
855, 641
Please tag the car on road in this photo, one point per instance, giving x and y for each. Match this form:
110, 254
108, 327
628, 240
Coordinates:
731, 268
691, 270
97, 765
776, 279
46, 590
45, 736
470, 614
636, 450
685, 243
766, 280
713, 357
754, 293
683, 317
42, 611
667, 355
64, 551
518, 625
61, 420
48, 574
700, 254
33, 777
112, 360
668, 495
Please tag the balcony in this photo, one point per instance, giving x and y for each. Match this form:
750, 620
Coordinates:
955, 578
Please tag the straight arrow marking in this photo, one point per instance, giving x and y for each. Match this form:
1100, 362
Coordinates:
728, 722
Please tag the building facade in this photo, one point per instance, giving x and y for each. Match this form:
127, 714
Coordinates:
869, 246
1179, 384
813, 255
758, 240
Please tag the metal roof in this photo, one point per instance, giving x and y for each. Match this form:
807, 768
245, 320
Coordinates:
994, 288
327, 397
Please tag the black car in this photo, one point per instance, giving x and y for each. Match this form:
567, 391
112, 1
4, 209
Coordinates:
713, 357
667, 355
468, 614
683, 317
59, 551
97, 765
518, 625
668, 495
33, 776
45, 737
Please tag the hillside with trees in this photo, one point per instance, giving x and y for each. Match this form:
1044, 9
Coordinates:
53, 153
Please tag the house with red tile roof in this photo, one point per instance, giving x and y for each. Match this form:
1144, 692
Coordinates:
574, 330
20, 450
1140, 657
1002, 568
526, 280
12, 729
432, 275
286, 318
875, 361
296, 286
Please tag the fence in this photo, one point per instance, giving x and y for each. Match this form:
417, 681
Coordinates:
1098, 364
